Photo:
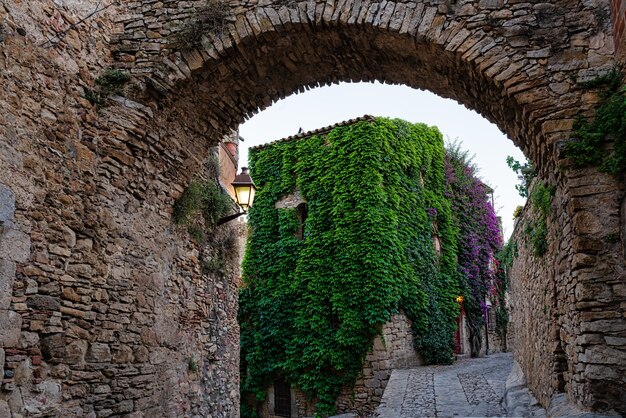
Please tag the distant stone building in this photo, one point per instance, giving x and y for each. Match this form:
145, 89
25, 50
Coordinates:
395, 345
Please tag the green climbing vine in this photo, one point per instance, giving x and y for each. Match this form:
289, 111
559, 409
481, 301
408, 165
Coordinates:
525, 174
310, 308
382, 235
608, 123
504, 258
537, 230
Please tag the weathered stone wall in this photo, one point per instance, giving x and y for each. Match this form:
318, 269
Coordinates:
101, 273
568, 306
393, 350
516, 63
618, 14
105, 308
496, 343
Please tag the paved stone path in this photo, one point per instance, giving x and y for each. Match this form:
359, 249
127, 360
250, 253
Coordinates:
467, 388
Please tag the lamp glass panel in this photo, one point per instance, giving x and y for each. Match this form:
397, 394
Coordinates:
252, 192
243, 195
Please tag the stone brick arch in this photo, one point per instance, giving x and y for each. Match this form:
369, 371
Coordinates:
516, 64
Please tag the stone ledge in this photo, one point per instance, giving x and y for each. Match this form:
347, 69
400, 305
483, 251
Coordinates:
520, 402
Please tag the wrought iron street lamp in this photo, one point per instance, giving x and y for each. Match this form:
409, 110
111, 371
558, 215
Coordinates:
244, 194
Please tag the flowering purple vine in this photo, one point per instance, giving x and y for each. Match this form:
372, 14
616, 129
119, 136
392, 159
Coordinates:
479, 236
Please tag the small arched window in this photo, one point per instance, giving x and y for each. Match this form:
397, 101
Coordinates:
302, 211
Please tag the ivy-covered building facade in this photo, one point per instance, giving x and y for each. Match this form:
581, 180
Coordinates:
369, 245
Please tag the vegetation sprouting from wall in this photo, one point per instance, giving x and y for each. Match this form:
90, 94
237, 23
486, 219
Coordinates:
313, 302
198, 209
607, 125
536, 228
479, 237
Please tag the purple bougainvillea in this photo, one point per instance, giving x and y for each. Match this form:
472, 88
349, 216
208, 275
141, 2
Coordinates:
479, 236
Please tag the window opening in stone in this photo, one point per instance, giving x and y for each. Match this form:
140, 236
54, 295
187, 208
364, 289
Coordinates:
333, 319
282, 398
491, 319
302, 211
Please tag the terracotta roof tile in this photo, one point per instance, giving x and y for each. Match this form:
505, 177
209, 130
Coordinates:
319, 131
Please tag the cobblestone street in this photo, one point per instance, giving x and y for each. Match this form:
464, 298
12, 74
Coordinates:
467, 388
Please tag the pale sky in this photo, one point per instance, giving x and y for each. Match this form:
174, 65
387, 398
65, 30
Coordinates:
326, 106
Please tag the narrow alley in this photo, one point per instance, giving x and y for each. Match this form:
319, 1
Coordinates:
471, 387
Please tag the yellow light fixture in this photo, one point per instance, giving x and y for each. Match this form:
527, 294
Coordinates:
244, 194
460, 299
244, 189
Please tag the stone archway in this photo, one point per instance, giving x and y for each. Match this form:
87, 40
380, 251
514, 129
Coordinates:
94, 187
517, 65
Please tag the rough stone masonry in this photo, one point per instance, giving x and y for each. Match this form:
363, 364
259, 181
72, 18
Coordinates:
105, 310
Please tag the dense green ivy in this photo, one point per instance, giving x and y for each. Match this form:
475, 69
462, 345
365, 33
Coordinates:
311, 307
536, 230
608, 124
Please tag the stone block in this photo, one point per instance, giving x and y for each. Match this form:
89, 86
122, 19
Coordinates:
379, 345
43, 303
29, 339
47, 400
99, 353
7, 205
7, 276
75, 352
53, 346
604, 326
617, 341
10, 327
596, 371
604, 355
124, 354
4, 409
1, 362
124, 406
14, 245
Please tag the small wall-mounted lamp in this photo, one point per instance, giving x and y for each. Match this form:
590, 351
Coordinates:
459, 299
244, 194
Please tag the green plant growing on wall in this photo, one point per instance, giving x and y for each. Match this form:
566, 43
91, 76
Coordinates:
525, 173
211, 18
200, 207
192, 365
95, 98
608, 124
204, 197
111, 81
537, 230
367, 253
518, 211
